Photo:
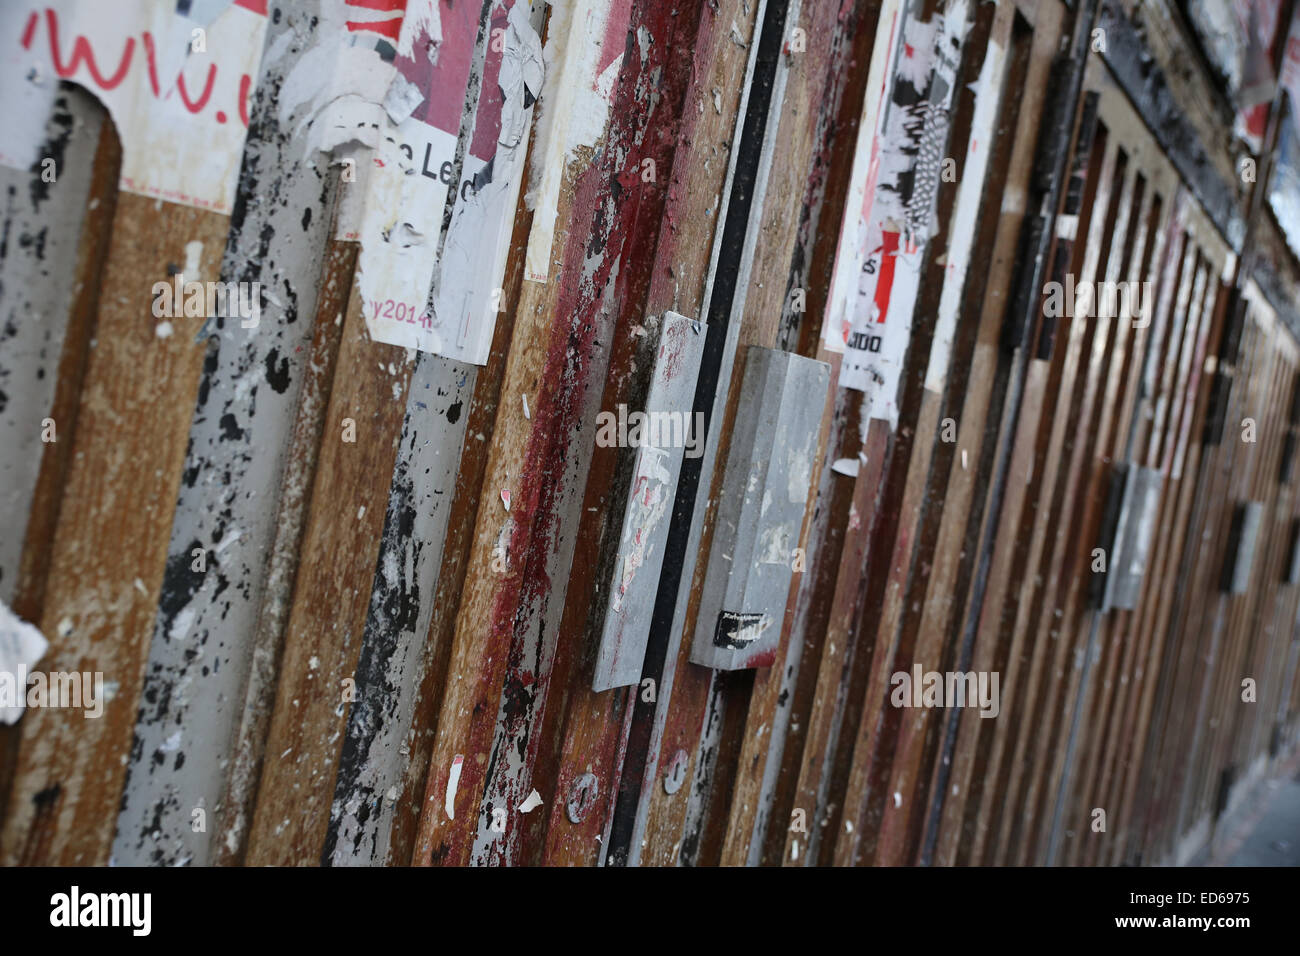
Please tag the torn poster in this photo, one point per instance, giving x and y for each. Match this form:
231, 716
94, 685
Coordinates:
1237, 38
961, 231
883, 241
468, 293
175, 77
21, 646
1284, 185
386, 92
427, 47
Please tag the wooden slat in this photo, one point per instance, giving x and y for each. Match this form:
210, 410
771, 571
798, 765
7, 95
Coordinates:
122, 482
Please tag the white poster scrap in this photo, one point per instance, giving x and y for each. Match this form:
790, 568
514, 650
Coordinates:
175, 76
883, 242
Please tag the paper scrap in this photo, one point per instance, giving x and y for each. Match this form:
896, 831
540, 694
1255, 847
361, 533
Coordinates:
181, 111
21, 646
452, 783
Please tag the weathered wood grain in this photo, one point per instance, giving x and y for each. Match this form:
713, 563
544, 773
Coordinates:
121, 486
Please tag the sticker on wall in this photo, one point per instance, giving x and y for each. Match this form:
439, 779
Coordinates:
883, 240
175, 76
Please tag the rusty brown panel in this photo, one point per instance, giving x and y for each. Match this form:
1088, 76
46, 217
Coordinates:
1211, 607
836, 535
864, 774
730, 739
1195, 332
845, 77
583, 731
1252, 636
849, 783
1171, 532
1158, 779
1084, 728
1051, 383
1148, 787
979, 418
1172, 537
846, 660
1139, 624
656, 729
856, 790
1126, 628
1276, 624
580, 730
1196, 306
481, 641
953, 490
1085, 484
132, 427
1091, 729
337, 273
1270, 666
1242, 628
47, 500
101, 203
1221, 685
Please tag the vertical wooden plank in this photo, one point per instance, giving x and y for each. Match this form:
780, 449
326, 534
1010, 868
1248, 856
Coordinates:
344, 546
651, 821
43, 364
132, 430
901, 623
228, 507
266, 644
529, 457
595, 731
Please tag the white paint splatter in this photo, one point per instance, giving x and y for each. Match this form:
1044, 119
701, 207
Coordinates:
453, 782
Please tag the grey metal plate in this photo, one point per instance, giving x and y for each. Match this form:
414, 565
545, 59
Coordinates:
760, 510
629, 594
1253, 513
1133, 537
